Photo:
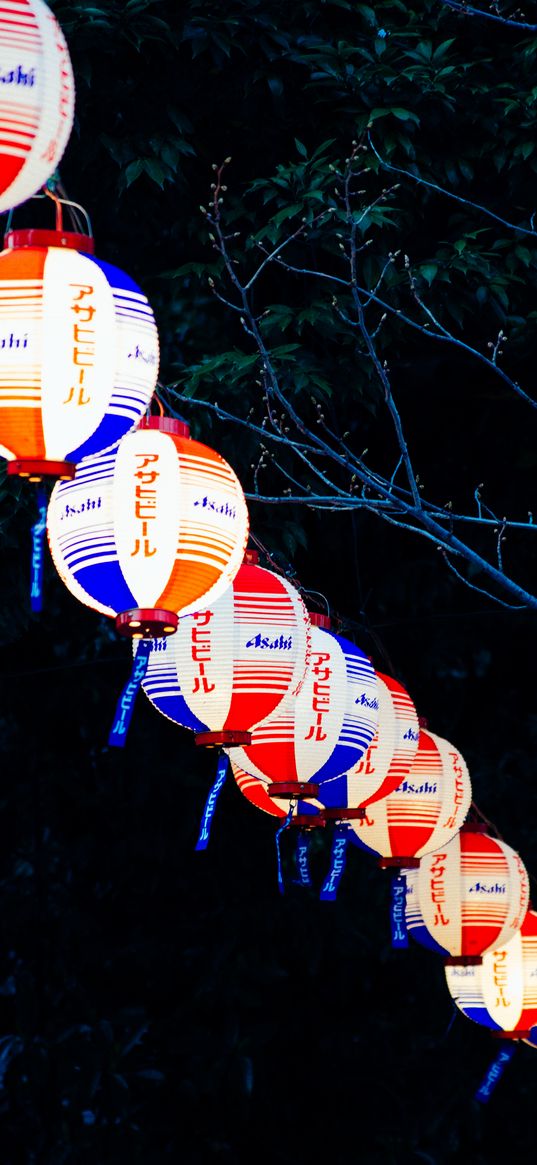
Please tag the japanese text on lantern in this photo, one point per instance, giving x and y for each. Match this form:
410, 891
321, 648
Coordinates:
201, 650
500, 978
458, 796
145, 502
438, 889
83, 309
321, 694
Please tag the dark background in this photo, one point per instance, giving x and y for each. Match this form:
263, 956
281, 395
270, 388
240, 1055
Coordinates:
158, 1004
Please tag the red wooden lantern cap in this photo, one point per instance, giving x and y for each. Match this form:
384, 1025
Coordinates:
344, 814
146, 623
35, 469
251, 557
223, 738
166, 425
300, 789
307, 821
318, 620
463, 961
407, 863
33, 237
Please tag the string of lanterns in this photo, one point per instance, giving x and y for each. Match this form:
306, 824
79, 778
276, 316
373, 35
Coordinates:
149, 527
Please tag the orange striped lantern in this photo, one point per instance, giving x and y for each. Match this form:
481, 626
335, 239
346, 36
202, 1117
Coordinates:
423, 813
501, 992
386, 761
37, 107
79, 352
235, 663
468, 897
151, 530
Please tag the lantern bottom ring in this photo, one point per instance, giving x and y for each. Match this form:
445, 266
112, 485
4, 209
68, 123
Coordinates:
292, 789
307, 821
348, 814
513, 1035
224, 737
407, 863
146, 623
35, 469
463, 961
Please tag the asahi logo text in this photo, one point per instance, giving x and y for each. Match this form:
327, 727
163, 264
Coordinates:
18, 76
11, 341
222, 508
280, 643
425, 787
83, 508
488, 888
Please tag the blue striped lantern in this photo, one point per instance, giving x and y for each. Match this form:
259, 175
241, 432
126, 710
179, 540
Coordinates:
79, 352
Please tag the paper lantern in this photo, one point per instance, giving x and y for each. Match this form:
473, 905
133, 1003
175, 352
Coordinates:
36, 113
501, 992
386, 761
330, 725
78, 353
468, 897
151, 530
233, 664
424, 812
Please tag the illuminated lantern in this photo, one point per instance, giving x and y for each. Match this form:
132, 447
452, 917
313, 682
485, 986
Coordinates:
468, 897
386, 761
151, 530
501, 992
304, 813
424, 812
36, 113
78, 352
330, 724
236, 662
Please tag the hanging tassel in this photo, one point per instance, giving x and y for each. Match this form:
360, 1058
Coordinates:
496, 1070
210, 804
281, 884
125, 705
337, 865
301, 858
38, 546
397, 913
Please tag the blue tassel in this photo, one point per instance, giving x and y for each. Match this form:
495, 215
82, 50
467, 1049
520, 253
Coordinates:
38, 544
496, 1070
397, 913
338, 858
210, 804
281, 884
125, 705
301, 858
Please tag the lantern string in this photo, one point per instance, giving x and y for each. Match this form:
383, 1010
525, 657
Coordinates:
286, 823
125, 704
210, 804
397, 912
495, 1071
338, 859
38, 551
301, 858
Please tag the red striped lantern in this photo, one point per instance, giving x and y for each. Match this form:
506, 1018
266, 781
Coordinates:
293, 753
37, 106
501, 992
424, 812
232, 665
149, 531
468, 897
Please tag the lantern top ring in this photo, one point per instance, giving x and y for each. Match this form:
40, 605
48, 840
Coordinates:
146, 623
